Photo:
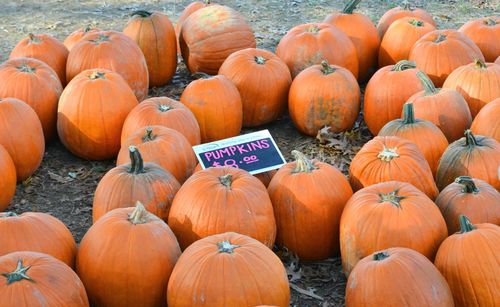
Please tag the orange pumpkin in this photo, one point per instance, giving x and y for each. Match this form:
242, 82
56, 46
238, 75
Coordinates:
265, 177
484, 32
308, 197
113, 51
386, 93
414, 281
363, 34
91, 113
389, 214
469, 261
216, 104
37, 232
217, 271
497, 61
36, 279
399, 12
163, 146
21, 135
474, 156
439, 52
471, 197
309, 44
45, 48
477, 82
188, 10
155, 35
220, 199
263, 81
209, 35
7, 180
126, 184
78, 34
126, 258
486, 121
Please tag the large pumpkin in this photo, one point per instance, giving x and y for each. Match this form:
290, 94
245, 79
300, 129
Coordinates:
7, 180
474, 156
439, 52
309, 44
216, 104
113, 51
389, 214
217, 271
220, 199
386, 93
387, 158
477, 82
308, 197
209, 35
45, 48
77, 35
36, 232
35, 83
484, 32
155, 35
126, 184
21, 135
486, 121
471, 197
397, 276
36, 279
126, 258
324, 95
263, 81
91, 113
399, 12
363, 34
469, 261
188, 10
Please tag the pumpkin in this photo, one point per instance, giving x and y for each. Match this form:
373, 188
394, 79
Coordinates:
126, 184
474, 156
113, 51
478, 83
263, 81
471, 197
209, 35
362, 33
439, 52
155, 35
428, 138
309, 44
468, 260
216, 104
414, 281
163, 146
264, 177
497, 61
22, 136
36, 232
324, 95
220, 199
218, 271
36, 279
308, 197
162, 111
398, 12
445, 108
386, 93
400, 38
7, 180
35, 83
91, 112
45, 48
389, 214
77, 35
188, 10
486, 121
387, 158
484, 32
126, 258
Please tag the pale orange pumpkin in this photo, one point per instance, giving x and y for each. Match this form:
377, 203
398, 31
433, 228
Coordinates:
7, 179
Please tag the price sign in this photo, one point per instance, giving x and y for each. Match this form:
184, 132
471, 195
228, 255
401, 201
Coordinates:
254, 152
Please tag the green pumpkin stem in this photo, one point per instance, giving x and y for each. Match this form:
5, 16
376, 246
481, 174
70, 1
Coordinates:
136, 162
26, 68
479, 64
260, 60
429, 87
227, 247
7, 214
470, 139
99, 39
141, 13
326, 69
139, 215
404, 65
441, 38
380, 256
465, 224
148, 136
387, 154
19, 273
164, 108
97, 75
226, 180
416, 23
392, 198
350, 6
408, 113
468, 183
303, 164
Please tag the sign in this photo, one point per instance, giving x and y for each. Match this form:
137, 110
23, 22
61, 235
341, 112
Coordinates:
254, 152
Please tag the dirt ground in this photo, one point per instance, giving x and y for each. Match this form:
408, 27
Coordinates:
64, 184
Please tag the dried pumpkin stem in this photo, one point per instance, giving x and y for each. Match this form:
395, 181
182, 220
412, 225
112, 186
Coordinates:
137, 164
407, 5
416, 23
26, 68
99, 39
429, 87
350, 6
465, 224
7, 214
441, 38
164, 108
479, 64
470, 139
490, 22
404, 65
139, 215
226, 180
34, 39
141, 13
303, 164
260, 60
408, 113
387, 154
313, 29
97, 75
88, 28
380, 256
392, 198
227, 247
19, 273
148, 136
326, 69
468, 183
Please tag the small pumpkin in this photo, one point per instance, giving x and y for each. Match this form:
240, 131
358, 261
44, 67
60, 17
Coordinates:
389, 214
216, 271
77, 35
264, 177
324, 95
7, 180
486, 121
188, 10
398, 12
484, 32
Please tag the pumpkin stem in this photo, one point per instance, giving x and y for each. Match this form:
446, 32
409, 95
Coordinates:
99, 39
408, 114
303, 164
34, 39
380, 256
19, 274
227, 247
88, 27
465, 224
406, 5
404, 65
468, 183
416, 23
97, 75
479, 64
139, 215
7, 214
470, 139
137, 164
207, 2
441, 38
226, 180
350, 6
260, 60
164, 108
148, 136
326, 69
429, 87
490, 22
387, 154
26, 68
200, 75
392, 198
313, 29
141, 13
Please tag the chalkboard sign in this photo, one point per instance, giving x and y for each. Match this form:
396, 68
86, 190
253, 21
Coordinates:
254, 152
